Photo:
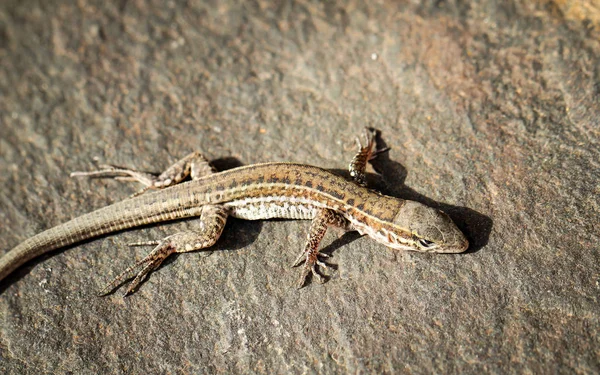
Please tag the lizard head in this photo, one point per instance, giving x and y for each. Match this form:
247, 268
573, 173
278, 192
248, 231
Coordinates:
431, 230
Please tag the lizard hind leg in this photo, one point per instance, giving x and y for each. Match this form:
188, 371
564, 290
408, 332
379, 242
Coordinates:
212, 222
194, 165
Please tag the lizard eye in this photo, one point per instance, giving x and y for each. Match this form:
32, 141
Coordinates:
425, 243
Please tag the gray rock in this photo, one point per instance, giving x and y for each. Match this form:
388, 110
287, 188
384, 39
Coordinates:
491, 110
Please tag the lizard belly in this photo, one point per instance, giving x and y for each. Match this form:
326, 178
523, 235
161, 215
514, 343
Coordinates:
260, 210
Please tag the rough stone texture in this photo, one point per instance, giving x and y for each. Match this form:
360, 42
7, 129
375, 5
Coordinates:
491, 110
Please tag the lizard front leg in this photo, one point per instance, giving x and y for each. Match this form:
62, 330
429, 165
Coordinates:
310, 255
365, 153
194, 165
212, 222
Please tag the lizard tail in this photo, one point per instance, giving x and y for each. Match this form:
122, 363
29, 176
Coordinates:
172, 204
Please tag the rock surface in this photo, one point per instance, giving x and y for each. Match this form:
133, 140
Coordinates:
492, 113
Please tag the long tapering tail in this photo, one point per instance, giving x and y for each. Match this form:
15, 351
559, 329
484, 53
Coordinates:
169, 204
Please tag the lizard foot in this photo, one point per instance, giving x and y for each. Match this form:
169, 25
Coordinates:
151, 262
193, 165
366, 153
311, 261
149, 180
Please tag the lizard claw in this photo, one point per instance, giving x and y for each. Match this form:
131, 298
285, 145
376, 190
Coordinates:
149, 180
311, 269
311, 261
146, 265
366, 153
119, 174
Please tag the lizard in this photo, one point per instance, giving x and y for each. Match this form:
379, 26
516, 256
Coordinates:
193, 188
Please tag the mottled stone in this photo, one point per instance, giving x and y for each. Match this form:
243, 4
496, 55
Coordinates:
492, 113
